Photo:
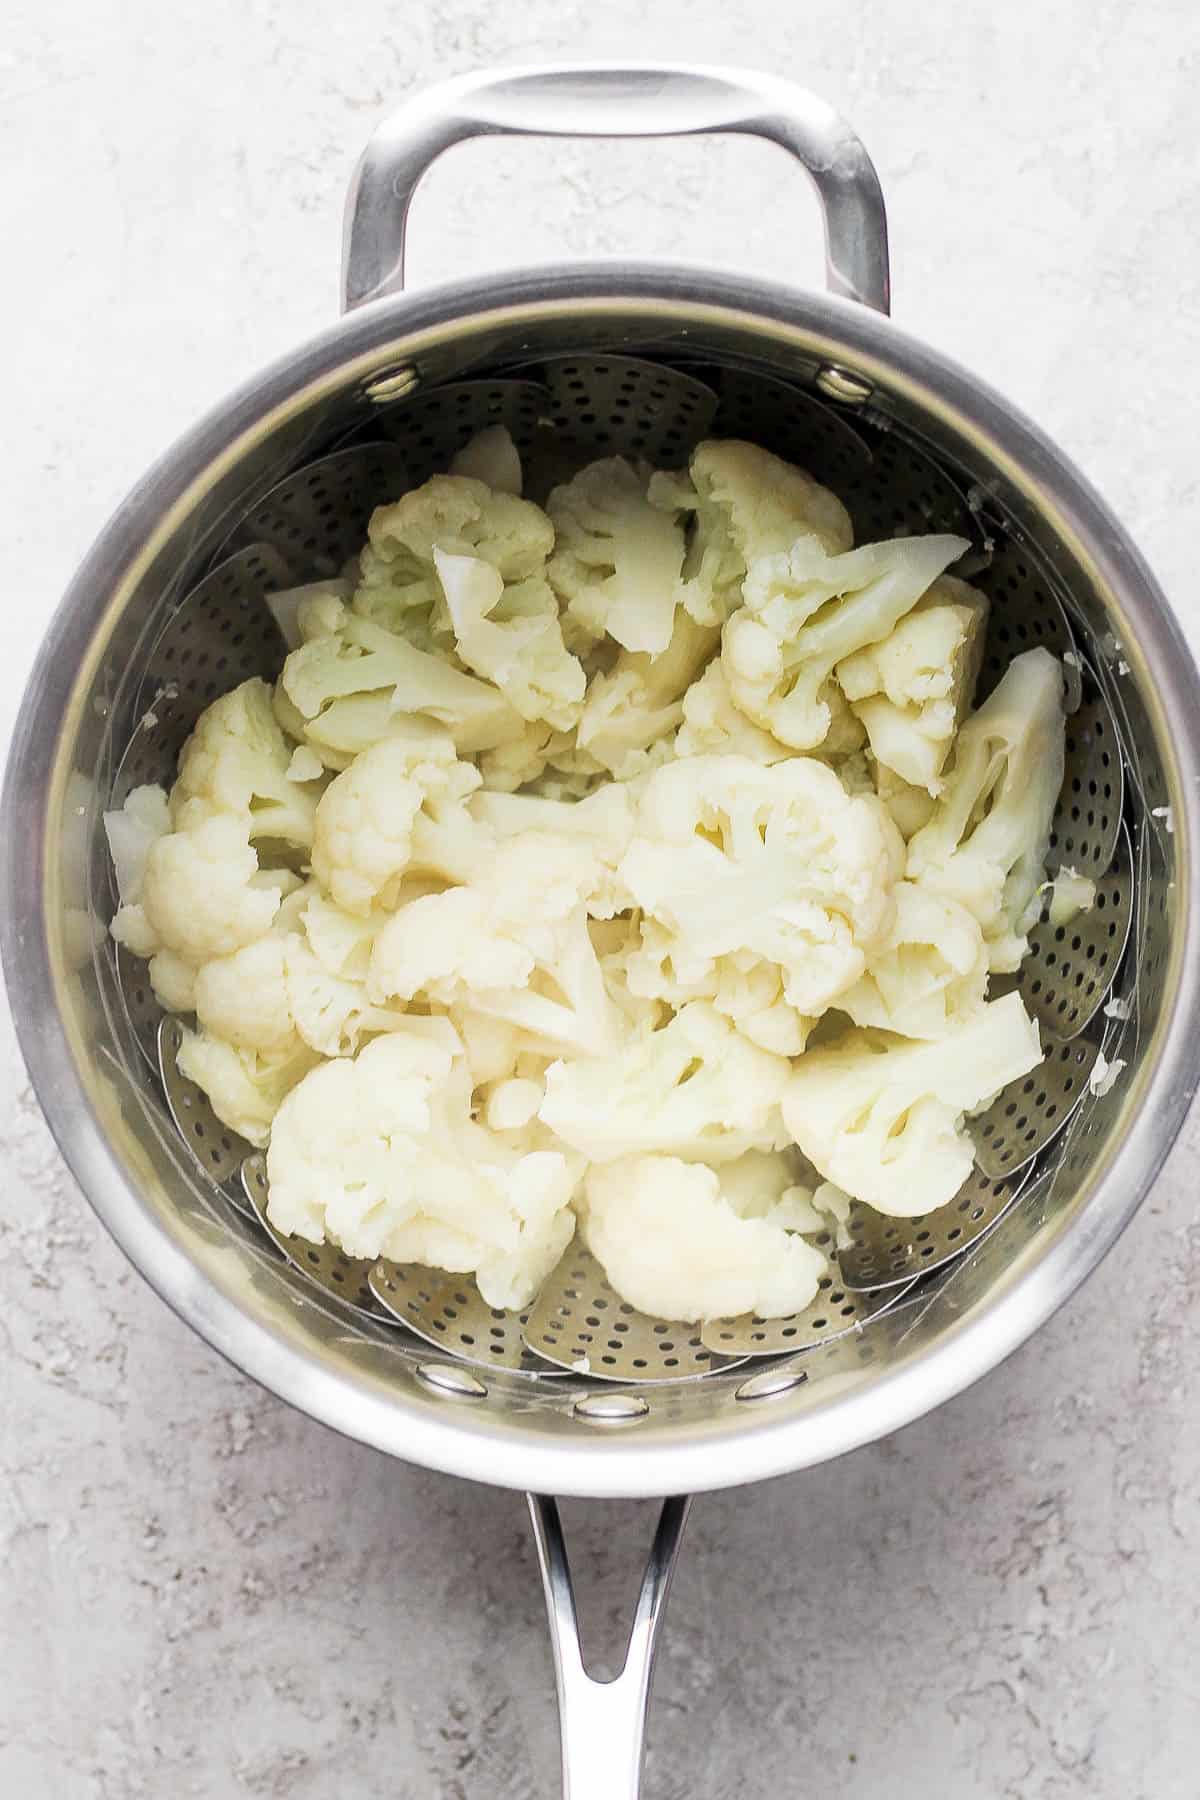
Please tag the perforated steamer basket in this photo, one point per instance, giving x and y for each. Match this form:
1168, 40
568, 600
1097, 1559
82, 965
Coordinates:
273, 488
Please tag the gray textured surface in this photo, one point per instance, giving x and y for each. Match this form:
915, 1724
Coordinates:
203, 1594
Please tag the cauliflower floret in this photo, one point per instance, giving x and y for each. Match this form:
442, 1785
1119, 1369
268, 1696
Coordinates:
804, 613
747, 990
492, 458
309, 611
617, 559
381, 1156
634, 706
399, 588
245, 1087
882, 1118
385, 676
713, 725
514, 945
696, 1088
173, 981
364, 837
912, 689
201, 896
731, 856
243, 997
513, 637
746, 504
986, 842
602, 822
236, 763
672, 1245
144, 818
930, 972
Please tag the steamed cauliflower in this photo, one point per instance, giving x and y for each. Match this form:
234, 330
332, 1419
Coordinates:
882, 1117
912, 689
804, 613
986, 841
381, 1156
617, 558
673, 1245
512, 636
696, 1089
363, 841
638, 861
735, 857
742, 504
460, 516
235, 765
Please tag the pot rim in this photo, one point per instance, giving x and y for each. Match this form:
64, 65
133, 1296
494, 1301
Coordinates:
460, 1439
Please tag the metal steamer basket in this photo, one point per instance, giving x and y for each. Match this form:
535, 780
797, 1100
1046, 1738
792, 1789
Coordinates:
581, 1395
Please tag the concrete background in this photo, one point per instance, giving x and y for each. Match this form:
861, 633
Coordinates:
203, 1594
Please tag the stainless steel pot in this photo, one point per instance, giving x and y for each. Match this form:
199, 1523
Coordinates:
83, 700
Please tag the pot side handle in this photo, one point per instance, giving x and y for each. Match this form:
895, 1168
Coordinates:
632, 101
602, 1723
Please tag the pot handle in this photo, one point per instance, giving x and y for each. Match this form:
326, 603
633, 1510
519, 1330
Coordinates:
634, 100
603, 1722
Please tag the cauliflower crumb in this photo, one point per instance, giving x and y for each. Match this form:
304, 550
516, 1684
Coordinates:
1104, 1074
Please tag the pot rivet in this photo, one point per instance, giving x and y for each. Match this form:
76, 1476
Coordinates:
448, 1378
611, 1409
392, 384
771, 1382
840, 384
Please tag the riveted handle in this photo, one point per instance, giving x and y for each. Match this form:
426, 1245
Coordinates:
603, 1722
635, 101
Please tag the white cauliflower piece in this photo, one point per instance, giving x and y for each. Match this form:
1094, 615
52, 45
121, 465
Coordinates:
732, 856
514, 945
306, 612
513, 637
912, 688
492, 458
672, 1245
141, 821
929, 973
245, 1087
173, 981
696, 1088
236, 763
201, 896
882, 1118
804, 613
986, 843
399, 588
714, 726
617, 559
634, 706
364, 837
381, 1156
243, 997
745, 504
602, 822
377, 676
749, 991
332, 1013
